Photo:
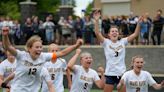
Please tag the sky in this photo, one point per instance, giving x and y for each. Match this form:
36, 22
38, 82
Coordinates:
81, 4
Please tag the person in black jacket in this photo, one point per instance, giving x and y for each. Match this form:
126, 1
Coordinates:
158, 26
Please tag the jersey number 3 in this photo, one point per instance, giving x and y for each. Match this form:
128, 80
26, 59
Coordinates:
116, 54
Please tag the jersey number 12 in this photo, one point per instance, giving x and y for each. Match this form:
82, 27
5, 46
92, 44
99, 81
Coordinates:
32, 71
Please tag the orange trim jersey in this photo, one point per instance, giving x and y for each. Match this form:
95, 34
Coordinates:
54, 56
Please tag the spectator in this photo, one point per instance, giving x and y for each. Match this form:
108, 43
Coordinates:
28, 30
157, 27
78, 27
49, 30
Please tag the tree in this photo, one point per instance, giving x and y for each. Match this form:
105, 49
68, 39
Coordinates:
89, 9
9, 9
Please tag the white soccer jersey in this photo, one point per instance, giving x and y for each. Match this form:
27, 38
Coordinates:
82, 81
136, 83
115, 56
6, 68
29, 72
56, 71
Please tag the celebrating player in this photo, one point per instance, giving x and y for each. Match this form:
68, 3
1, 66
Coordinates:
137, 80
56, 69
114, 49
83, 76
29, 69
6, 68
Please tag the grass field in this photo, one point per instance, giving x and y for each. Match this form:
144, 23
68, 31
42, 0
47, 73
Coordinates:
66, 90
93, 90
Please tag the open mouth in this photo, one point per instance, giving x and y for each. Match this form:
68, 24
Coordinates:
37, 53
139, 67
88, 62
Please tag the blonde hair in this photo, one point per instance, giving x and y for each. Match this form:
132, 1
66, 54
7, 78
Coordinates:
31, 41
133, 59
52, 45
83, 54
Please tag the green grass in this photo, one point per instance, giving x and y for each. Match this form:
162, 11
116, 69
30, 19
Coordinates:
93, 90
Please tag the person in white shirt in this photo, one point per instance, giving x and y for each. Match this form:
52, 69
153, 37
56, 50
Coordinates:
114, 49
83, 76
49, 30
137, 80
56, 70
6, 68
29, 70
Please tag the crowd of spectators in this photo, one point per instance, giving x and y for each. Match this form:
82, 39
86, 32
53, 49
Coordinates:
66, 30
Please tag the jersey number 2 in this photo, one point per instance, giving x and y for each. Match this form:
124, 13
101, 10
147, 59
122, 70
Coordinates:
137, 89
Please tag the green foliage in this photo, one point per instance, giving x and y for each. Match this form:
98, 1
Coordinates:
47, 5
89, 9
9, 9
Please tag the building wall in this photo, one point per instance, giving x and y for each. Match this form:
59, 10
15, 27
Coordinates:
97, 4
115, 9
150, 6
153, 56
137, 6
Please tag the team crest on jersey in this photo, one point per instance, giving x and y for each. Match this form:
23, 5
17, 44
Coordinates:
88, 79
137, 83
9, 69
29, 64
54, 70
117, 48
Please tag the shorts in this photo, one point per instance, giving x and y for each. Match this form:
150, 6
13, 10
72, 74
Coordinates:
112, 80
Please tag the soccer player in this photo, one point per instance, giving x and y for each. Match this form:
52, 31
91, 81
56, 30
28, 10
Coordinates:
6, 68
114, 49
137, 80
56, 69
29, 70
83, 76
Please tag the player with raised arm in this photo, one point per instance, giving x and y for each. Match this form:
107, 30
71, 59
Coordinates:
29, 70
56, 69
114, 49
83, 76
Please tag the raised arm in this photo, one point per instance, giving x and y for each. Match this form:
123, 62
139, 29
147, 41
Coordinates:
101, 83
6, 42
69, 49
98, 34
137, 30
158, 86
73, 60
